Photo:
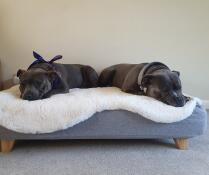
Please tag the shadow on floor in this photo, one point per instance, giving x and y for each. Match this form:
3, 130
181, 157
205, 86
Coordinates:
88, 143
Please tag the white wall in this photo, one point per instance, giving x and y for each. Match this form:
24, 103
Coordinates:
105, 32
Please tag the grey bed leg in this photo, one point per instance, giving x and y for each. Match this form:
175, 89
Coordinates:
181, 143
7, 145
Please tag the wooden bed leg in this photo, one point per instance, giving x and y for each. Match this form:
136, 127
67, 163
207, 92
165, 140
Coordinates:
7, 145
181, 143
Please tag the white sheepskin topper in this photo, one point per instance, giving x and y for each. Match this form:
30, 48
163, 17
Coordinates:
66, 110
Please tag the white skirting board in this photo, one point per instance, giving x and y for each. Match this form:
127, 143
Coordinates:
206, 104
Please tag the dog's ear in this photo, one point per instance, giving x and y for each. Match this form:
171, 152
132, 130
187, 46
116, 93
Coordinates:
20, 72
146, 80
176, 72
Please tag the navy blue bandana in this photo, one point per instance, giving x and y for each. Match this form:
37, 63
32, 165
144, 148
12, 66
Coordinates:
40, 59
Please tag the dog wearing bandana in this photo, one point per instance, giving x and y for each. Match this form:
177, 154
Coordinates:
44, 78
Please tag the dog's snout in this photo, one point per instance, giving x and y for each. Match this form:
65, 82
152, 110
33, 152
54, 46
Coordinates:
30, 93
29, 96
180, 101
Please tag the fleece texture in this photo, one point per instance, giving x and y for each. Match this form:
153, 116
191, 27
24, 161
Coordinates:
66, 110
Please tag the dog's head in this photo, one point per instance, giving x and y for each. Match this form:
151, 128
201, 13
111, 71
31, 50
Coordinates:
35, 84
165, 86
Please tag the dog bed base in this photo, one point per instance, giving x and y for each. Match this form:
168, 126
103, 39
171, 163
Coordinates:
119, 124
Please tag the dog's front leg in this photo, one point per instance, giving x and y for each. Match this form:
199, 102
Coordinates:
62, 89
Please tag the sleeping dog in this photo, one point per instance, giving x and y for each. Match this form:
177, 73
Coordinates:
44, 79
151, 79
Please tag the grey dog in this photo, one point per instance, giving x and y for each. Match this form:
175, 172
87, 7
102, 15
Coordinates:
44, 79
151, 79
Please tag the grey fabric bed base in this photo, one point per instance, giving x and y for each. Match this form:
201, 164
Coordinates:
120, 124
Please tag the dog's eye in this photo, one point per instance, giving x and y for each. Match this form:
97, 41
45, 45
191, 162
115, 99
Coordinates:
37, 84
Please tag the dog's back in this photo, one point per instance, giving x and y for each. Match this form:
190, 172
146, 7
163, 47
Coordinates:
116, 74
77, 75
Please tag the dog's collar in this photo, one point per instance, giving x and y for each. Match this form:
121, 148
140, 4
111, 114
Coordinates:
40, 59
155, 66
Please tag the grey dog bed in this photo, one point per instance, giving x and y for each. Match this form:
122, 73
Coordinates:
120, 124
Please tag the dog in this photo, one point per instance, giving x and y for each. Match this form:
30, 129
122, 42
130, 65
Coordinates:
43, 79
154, 79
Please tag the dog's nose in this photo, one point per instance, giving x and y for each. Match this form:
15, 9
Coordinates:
28, 97
180, 102
179, 105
